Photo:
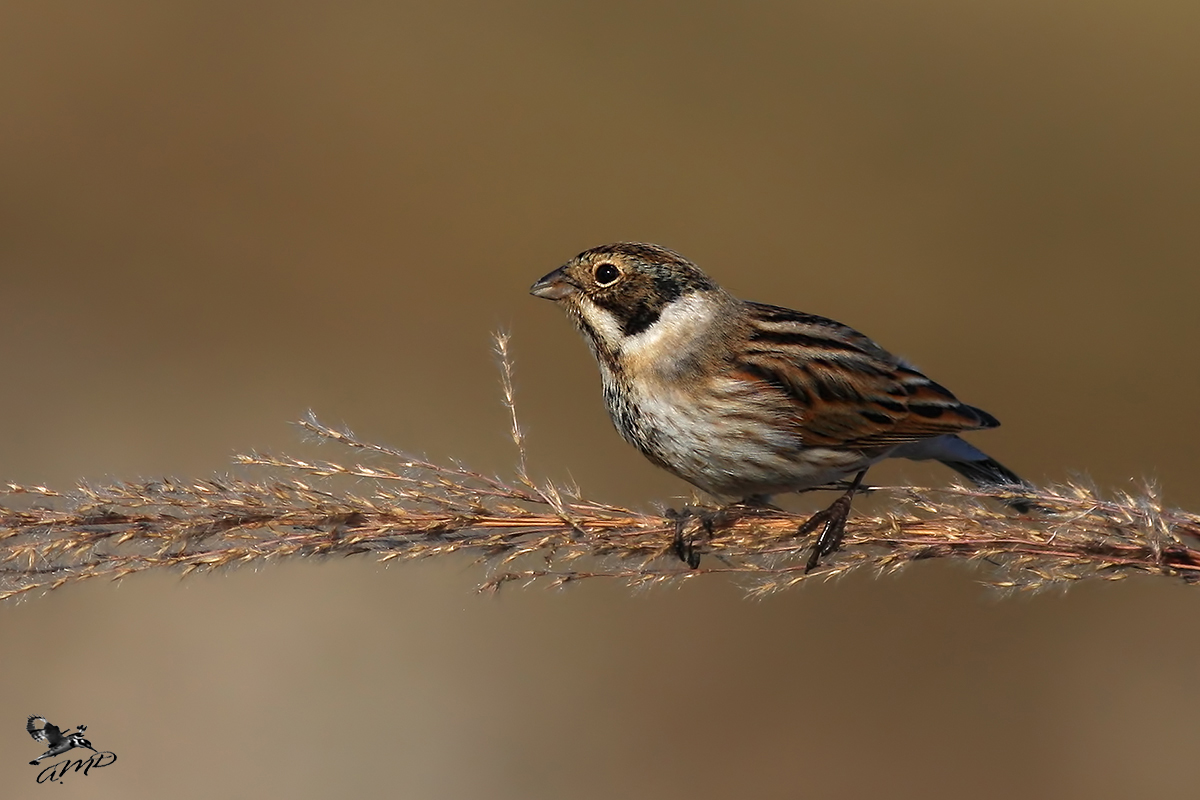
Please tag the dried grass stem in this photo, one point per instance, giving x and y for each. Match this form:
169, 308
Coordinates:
413, 508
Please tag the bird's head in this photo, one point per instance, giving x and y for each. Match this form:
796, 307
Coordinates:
618, 291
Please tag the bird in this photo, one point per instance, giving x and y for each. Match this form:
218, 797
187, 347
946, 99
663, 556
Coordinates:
746, 400
52, 735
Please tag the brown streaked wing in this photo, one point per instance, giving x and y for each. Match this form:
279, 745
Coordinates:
848, 391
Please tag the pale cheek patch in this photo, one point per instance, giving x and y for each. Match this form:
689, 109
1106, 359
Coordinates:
675, 331
603, 322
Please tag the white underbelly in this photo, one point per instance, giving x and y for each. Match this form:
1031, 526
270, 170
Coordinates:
727, 446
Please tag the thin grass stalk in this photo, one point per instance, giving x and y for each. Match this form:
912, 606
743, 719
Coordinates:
524, 532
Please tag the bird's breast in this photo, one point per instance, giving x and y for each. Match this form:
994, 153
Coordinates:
715, 439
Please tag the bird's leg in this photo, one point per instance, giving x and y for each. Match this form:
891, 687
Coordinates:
684, 546
832, 522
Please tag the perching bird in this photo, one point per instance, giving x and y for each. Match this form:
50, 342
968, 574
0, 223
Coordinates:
746, 400
51, 734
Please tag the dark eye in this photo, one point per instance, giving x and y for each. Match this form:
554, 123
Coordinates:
607, 274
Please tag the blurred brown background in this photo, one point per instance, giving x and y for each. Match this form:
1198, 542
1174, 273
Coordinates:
216, 215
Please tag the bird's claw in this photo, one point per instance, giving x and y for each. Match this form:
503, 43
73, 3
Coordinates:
684, 545
832, 522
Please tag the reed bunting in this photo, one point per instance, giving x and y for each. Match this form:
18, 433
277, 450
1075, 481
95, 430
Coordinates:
745, 400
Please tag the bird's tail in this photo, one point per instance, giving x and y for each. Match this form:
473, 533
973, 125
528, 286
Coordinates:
990, 472
970, 462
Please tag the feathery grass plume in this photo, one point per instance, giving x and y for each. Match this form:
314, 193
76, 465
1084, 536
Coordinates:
413, 508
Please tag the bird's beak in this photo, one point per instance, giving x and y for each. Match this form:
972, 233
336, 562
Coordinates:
554, 286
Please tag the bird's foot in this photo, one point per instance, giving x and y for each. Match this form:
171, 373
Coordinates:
685, 545
693, 524
832, 522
